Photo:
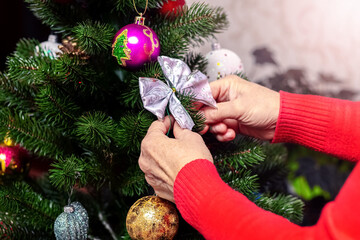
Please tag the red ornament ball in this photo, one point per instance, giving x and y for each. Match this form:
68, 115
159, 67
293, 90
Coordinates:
152, 218
171, 7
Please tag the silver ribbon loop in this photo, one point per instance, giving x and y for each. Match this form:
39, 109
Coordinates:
156, 95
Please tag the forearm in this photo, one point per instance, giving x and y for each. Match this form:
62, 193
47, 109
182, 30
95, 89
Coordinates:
325, 124
218, 212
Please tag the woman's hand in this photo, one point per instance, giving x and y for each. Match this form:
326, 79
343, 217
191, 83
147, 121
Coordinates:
242, 107
162, 157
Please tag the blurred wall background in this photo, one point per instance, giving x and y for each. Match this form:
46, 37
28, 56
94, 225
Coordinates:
301, 46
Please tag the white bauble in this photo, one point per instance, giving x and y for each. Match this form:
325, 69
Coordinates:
48, 48
222, 62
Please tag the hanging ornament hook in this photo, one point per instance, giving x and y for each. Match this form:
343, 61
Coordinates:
141, 14
70, 193
140, 20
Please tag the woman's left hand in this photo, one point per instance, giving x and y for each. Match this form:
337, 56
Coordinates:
162, 157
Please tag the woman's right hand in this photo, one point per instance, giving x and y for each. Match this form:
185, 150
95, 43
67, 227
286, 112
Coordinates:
242, 107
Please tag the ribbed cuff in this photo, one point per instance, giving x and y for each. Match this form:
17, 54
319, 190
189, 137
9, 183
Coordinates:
303, 119
197, 175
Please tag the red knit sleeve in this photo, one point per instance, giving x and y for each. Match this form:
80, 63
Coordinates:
218, 212
325, 124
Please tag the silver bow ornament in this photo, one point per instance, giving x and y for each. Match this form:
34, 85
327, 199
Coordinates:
156, 95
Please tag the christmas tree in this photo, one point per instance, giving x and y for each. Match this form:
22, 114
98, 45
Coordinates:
81, 111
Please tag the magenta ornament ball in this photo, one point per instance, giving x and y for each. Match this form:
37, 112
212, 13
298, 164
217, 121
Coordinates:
134, 45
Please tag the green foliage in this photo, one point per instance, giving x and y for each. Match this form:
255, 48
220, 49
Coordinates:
132, 129
33, 71
57, 108
72, 171
197, 23
23, 68
245, 153
196, 62
175, 46
133, 182
284, 205
77, 74
57, 16
244, 181
94, 37
26, 213
95, 129
242, 75
27, 131
15, 94
26, 47
252, 168
273, 170
306, 192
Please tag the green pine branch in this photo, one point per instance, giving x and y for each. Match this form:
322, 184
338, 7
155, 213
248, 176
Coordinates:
94, 38
131, 129
273, 171
243, 180
73, 171
30, 133
132, 182
242, 75
15, 94
174, 44
25, 212
95, 129
77, 74
287, 206
59, 17
197, 23
56, 107
196, 62
23, 68
26, 47
33, 71
243, 153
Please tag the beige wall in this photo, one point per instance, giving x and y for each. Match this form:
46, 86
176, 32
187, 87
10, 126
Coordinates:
319, 37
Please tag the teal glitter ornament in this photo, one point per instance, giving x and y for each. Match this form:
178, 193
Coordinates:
72, 224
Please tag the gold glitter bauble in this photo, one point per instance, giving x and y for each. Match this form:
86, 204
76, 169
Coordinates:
152, 218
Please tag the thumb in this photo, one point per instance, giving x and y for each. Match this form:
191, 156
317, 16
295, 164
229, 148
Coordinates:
161, 126
178, 131
224, 110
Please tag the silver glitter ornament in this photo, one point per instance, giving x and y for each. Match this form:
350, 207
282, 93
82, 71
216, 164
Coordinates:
72, 224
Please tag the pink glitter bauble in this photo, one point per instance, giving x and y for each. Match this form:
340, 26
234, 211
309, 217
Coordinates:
134, 45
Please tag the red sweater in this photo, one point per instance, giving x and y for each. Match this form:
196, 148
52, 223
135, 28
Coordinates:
328, 125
